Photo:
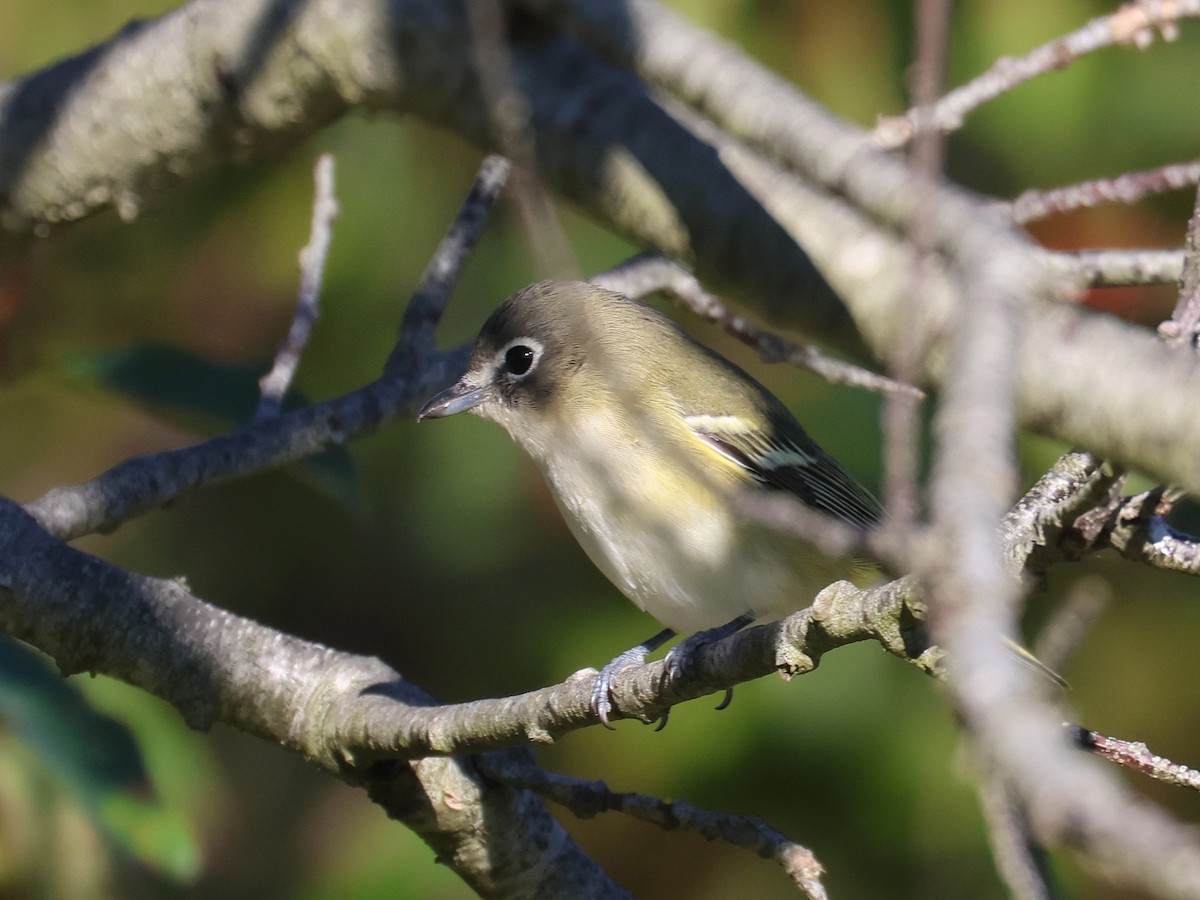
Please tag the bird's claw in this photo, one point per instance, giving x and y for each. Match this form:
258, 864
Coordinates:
602, 699
676, 665
682, 656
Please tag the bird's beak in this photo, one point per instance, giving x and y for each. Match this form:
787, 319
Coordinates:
459, 397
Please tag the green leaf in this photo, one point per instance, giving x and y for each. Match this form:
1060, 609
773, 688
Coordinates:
167, 378
96, 758
152, 832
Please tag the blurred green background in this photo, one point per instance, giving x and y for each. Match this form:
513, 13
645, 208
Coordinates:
438, 548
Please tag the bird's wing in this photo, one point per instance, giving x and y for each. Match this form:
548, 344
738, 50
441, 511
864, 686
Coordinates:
783, 457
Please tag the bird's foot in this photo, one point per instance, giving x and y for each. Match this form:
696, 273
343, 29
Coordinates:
683, 655
602, 700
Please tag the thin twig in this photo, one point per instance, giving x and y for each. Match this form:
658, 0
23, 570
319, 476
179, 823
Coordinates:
1183, 328
1032, 528
414, 370
1066, 629
834, 538
1131, 25
587, 798
649, 272
1134, 526
1066, 514
1120, 268
274, 385
1021, 858
900, 422
1077, 508
509, 113
1127, 188
1137, 756
428, 301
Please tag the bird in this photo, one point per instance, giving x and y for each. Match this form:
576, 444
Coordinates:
645, 436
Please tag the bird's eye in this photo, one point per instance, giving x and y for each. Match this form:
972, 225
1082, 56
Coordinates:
518, 359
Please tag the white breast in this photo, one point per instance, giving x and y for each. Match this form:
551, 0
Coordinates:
665, 538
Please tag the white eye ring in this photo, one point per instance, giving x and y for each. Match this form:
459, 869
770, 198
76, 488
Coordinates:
518, 358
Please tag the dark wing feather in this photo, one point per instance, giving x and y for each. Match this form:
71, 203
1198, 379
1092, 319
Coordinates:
789, 460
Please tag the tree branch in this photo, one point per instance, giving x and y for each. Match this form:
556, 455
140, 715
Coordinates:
214, 666
1137, 756
650, 272
586, 798
1127, 188
1117, 268
274, 385
1132, 24
1033, 529
91, 615
357, 719
626, 109
648, 166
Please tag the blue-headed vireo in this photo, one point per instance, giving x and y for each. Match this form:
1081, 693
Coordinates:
644, 435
